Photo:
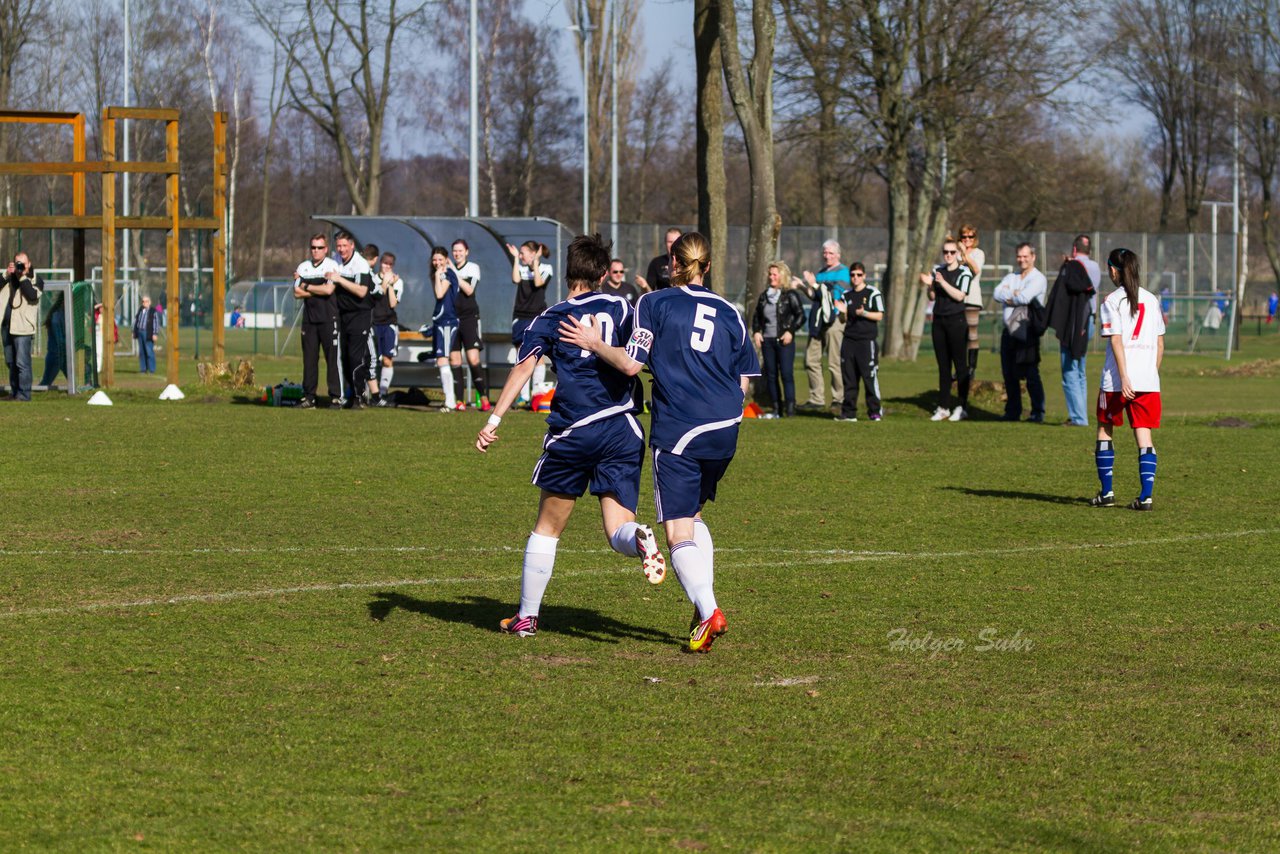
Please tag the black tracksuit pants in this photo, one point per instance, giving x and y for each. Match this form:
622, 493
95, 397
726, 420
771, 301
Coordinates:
951, 348
315, 338
859, 362
355, 329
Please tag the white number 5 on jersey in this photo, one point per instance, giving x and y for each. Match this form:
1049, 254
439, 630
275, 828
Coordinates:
703, 328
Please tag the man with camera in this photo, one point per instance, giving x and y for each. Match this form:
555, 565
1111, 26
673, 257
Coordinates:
20, 296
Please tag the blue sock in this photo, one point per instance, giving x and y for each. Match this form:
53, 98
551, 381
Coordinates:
1147, 471
1105, 457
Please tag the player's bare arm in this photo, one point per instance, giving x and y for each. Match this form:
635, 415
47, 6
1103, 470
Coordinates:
1117, 350
578, 334
519, 375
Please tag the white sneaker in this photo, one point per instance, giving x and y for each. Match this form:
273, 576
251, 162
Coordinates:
651, 559
940, 414
958, 414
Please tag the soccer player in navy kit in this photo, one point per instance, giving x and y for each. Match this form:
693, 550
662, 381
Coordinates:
444, 323
698, 349
470, 337
593, 439
386, 325
319, 322
353, 281
531, 275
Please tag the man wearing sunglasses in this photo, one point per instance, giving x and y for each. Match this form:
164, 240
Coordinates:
616, 283
319, 322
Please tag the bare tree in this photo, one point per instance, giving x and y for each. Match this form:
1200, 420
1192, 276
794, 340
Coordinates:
926, 77
1257, 70
751, 92
342, 74
712, 217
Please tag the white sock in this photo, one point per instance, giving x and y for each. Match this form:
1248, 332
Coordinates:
702, 536
384, 379
539, 374
446, 380
624, 540
539, 560
524, 391
695, 576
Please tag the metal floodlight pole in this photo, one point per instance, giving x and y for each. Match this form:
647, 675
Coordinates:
613, 125
1237, 286
124, 127
473, 188
586, 112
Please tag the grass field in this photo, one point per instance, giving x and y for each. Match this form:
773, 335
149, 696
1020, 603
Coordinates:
228, 626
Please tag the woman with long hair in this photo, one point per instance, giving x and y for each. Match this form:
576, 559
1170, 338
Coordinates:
778, 316
1134, 328
975, 259
948, 286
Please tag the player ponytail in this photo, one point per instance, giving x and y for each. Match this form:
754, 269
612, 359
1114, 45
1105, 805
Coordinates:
539, 250
692, 256
1127, 275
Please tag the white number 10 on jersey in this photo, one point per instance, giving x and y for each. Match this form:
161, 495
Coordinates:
605, 322
703, 328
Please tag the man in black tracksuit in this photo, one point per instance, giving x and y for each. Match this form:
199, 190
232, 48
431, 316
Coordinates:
355, 294
319, 322
862, 309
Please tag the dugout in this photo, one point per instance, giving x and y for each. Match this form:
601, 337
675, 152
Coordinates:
411, 239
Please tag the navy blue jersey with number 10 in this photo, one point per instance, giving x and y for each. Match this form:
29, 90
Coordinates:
587, 389
697, 347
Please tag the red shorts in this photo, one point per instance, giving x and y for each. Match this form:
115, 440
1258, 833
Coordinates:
1144, 409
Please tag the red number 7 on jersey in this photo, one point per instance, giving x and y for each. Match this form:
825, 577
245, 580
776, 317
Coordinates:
1142, 310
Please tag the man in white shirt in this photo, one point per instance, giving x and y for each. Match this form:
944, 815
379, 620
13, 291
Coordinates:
1019, 345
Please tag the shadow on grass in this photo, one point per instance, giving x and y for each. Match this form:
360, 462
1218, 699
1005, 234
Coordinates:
927, 401
1020, 496
484, 613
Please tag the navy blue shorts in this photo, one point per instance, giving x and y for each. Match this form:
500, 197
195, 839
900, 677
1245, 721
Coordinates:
519, 326
386, 340
682, 484
605, 456
442, 337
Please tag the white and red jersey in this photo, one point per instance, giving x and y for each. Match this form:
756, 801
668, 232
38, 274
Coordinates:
1140, 333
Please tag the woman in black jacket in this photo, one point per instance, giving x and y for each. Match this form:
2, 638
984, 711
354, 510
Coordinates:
778, 315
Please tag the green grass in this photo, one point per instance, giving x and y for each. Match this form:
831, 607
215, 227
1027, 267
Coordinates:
232, 626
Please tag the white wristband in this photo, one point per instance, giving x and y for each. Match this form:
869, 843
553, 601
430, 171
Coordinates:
494, 421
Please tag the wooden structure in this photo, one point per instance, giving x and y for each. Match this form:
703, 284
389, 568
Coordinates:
80, 221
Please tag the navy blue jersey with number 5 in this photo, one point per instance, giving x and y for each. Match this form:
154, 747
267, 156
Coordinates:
587, 389
697, 347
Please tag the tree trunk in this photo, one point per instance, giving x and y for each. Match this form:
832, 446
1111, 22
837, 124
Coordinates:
751, 92
712, 218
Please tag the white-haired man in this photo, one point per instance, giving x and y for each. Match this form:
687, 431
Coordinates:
826, 329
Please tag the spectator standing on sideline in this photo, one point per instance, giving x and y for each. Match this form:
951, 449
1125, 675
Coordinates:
1273, 303
354, 292
593, 440
386, 324
617, 284
779, 315
948, 285
826, 330
470, 337
1019, 345
531, 274
319, 322
695, 344
1070, 309
444, 327
658, 276
1134, 329
371, 255
862, 309
146, 329
20, 296
975, 259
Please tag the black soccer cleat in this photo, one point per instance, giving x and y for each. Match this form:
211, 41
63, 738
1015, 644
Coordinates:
1142, 504
1101, 500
